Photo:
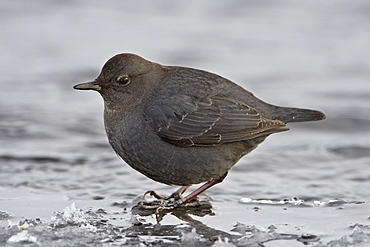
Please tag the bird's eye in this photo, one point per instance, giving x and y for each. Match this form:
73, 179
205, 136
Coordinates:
123, 79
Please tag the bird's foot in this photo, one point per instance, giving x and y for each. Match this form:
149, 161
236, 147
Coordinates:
160, 208
174, 204
169, 203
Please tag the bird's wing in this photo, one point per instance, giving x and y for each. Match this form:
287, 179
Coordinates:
210, 121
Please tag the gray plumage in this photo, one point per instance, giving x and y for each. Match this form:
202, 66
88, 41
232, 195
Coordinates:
183, 126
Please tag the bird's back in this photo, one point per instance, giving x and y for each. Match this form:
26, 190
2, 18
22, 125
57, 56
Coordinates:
200, 84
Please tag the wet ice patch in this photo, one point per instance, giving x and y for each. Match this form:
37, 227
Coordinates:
190, 237
4, 215
24, 224
22, 237
331, 203
359, 237
71, 215
254, 236
71, 227
293, 201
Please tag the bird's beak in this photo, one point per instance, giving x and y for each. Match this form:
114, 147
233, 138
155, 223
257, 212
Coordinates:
87, 86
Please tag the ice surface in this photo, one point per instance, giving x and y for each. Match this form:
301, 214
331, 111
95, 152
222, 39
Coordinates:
73, 226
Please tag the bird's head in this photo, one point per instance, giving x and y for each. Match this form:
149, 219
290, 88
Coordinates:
125, 79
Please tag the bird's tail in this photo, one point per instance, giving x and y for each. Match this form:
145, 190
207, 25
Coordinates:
289, 115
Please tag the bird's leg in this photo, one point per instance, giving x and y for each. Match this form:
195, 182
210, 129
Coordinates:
195, 193
177, 194
175, 200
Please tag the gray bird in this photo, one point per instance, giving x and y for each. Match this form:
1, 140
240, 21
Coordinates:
183, 126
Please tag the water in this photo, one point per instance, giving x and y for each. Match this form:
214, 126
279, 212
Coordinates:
306, 186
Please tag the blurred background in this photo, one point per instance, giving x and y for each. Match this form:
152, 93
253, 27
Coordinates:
310, 54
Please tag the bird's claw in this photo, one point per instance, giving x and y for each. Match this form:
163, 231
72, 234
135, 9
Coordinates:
153, 193
167, 204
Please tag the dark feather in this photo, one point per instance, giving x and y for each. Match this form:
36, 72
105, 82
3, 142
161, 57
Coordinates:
209, 121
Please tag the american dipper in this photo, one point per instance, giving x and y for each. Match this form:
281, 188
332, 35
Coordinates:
183, 126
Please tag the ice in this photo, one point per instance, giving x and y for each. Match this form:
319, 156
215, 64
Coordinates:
292, 201
223, 243
70, 216
244, 229
22, 237
99, 227
190, 236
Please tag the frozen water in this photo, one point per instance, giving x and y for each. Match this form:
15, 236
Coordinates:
98, 227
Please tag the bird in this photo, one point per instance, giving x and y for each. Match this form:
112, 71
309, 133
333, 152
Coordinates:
183, 126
